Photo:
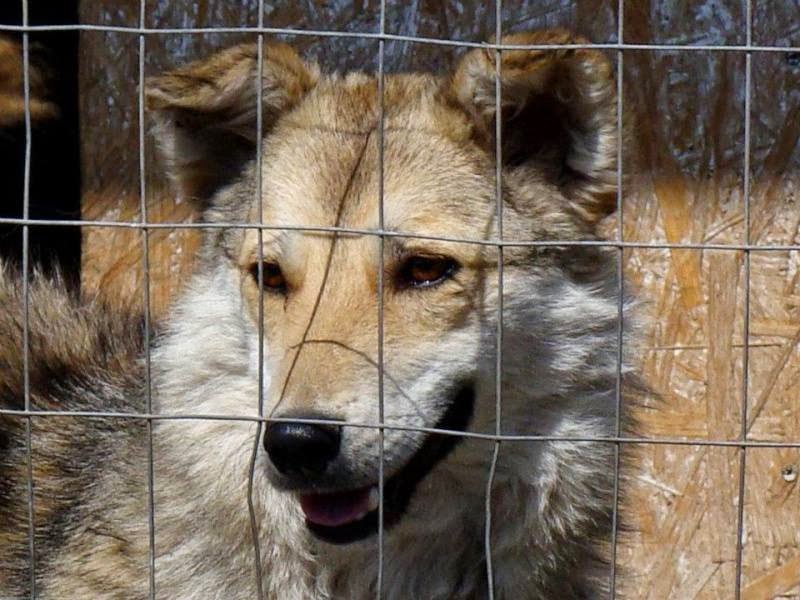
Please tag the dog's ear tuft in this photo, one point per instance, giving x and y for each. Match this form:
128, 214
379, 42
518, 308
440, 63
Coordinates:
205, 112
558, 110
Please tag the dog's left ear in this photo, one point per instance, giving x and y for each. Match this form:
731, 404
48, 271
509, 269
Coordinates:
558, 111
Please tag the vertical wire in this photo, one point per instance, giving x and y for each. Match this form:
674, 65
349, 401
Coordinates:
257, 81
26, 381
151, 519
381, 266
499, 349
748, 74
620, 302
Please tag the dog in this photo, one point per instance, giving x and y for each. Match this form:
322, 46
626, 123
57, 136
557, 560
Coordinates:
277, 492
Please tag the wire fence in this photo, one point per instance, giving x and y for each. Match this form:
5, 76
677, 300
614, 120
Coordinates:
381, 37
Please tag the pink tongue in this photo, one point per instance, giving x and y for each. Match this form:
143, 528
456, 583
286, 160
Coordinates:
332, 510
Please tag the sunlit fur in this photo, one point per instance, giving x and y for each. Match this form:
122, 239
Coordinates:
551, 501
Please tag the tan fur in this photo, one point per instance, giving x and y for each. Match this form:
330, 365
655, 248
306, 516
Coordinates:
218, 96
112, 258
430, 170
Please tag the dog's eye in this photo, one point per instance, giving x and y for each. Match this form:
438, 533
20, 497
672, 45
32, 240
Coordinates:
425, 271
272, 276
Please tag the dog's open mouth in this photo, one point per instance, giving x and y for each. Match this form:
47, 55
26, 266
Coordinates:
350, 515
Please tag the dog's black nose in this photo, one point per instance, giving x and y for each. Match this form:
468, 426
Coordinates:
302, 448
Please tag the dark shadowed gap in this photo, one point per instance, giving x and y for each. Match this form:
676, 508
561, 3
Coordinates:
55, 182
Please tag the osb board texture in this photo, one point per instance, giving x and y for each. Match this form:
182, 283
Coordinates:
684, 168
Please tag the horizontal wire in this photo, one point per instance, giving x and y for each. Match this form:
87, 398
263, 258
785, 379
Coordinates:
406, 234
391, 37
410, 428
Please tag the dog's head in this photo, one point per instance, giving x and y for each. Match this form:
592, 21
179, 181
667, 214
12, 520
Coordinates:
403, 327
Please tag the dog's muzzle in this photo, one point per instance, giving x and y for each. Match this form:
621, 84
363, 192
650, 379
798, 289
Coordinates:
303, 451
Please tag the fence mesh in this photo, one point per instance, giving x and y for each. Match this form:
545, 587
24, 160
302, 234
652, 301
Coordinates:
261, 30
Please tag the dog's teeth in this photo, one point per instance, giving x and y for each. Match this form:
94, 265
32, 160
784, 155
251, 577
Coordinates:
373, 499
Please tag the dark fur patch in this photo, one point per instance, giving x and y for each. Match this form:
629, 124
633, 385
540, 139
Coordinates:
81, 358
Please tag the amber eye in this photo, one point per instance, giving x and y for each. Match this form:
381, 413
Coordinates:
425, 271
272, 275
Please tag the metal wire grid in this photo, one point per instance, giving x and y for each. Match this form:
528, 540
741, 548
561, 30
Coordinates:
748, 74
742, 444
26, 382
393, 37
498, 391
260, 315
620, 303
151, 523
379, 275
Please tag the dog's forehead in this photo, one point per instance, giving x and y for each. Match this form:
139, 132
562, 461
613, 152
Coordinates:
322, 163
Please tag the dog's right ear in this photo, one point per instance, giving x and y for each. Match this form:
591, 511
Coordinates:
205, 112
